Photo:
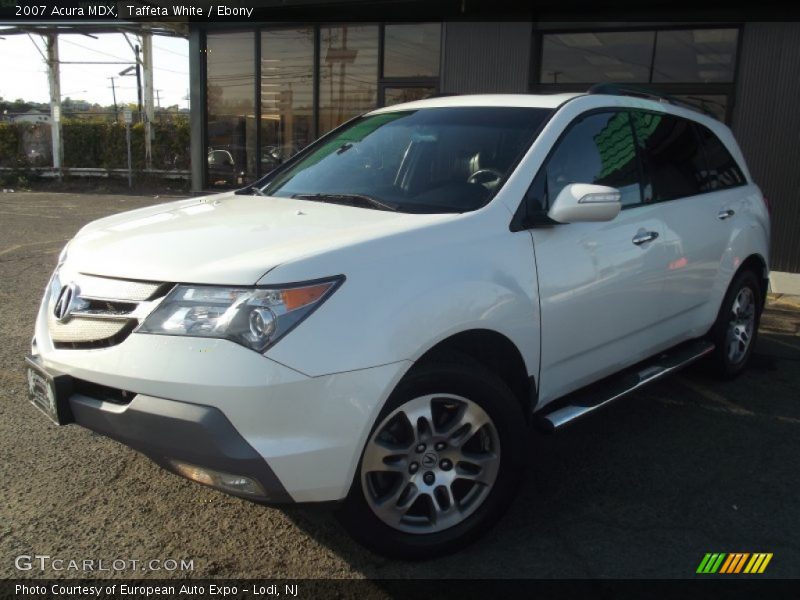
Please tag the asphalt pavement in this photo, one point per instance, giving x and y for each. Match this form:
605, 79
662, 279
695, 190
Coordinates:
642, 489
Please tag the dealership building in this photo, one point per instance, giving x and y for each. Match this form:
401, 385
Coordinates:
263, 90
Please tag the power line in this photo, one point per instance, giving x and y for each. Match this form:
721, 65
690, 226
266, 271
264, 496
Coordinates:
93, 50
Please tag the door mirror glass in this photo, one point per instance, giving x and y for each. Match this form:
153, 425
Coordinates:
582, 202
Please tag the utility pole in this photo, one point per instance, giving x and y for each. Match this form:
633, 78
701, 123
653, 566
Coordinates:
55, 100
138, 80
149, 112
114, 93
158, 98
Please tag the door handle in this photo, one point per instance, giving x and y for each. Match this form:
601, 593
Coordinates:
725, 214
644, 237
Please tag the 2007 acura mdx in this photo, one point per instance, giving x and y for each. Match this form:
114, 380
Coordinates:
379, 320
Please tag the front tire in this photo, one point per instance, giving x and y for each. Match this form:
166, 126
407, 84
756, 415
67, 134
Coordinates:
441, 464
736, 329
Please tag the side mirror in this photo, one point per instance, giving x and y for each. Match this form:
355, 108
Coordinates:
579, 202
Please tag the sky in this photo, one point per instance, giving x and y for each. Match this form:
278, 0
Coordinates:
23, 73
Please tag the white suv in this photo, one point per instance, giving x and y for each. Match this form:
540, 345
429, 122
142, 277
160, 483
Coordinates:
379, 320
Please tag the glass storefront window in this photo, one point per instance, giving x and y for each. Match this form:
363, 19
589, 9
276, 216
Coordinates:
312, 79
231, 152
697, 55
348, 79
713, 104
412, 50
398, 95
287, 94
596, 57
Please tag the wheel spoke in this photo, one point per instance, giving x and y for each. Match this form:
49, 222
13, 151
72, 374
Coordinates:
421, 419
378, 457
392, 508
471, 421
478, 468
444, 503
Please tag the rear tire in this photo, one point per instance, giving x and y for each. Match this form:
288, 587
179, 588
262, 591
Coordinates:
736, 329
440, 465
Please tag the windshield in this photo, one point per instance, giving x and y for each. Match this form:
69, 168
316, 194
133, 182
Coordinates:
427, 160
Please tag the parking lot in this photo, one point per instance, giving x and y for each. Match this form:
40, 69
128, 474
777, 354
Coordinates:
642, 489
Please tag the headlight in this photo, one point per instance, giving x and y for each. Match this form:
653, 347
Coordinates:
253, 317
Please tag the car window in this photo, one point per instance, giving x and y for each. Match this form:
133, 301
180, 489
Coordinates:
429, 160
220, 157
722, 170
597, 148
671, 154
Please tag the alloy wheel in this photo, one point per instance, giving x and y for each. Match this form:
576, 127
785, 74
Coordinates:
430, 463
741, 325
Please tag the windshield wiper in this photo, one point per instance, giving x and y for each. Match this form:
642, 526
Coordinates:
351, 200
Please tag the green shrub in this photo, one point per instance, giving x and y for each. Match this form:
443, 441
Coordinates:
101, 144
10, 151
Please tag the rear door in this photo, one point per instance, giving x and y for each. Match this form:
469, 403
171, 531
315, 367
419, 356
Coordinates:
692, 177
599, 283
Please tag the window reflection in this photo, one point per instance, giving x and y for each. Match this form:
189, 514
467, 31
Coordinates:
397, 95
705, 55
411, 50
287, 94
597, 57
598, 149
231, 108
348, 73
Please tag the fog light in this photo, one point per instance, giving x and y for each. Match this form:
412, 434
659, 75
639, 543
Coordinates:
236, 484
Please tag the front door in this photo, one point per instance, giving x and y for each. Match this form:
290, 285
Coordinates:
599, 283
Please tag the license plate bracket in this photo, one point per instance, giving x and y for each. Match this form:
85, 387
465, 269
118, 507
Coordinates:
49, 392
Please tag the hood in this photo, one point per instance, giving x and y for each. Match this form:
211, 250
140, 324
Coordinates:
225, 238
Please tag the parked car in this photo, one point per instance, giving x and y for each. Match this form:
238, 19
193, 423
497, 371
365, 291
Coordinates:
381, 319
222, 168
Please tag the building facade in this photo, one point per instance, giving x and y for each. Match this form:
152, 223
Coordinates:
261, 92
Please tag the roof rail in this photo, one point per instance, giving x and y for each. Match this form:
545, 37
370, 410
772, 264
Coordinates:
615, 89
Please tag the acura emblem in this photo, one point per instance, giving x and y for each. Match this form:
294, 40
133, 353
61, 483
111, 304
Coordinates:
67, 298
428, 460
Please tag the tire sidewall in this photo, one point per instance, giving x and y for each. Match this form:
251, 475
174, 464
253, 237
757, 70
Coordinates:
494, 397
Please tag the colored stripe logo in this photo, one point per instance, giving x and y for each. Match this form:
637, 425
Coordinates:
734, 562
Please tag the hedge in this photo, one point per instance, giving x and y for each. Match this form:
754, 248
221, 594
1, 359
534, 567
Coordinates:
99, 144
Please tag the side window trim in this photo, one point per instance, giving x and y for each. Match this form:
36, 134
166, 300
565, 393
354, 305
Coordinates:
644, 180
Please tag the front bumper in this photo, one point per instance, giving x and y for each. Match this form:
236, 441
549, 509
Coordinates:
215, 404
168, 431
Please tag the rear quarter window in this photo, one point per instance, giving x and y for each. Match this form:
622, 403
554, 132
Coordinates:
722, 170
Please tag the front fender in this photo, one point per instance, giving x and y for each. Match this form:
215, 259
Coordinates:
405, 293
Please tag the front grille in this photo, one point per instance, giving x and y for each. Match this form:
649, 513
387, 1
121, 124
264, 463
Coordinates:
95, 312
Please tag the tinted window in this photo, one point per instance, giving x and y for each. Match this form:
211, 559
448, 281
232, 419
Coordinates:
723, 172
429, 160
597, 149
672, 156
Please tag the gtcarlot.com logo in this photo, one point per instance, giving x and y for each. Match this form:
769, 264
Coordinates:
45, 562
734, 563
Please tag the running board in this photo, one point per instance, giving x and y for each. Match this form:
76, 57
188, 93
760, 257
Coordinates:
595, 396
